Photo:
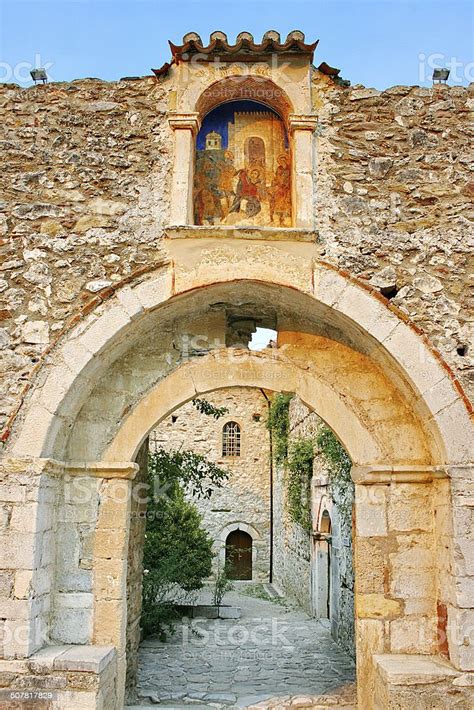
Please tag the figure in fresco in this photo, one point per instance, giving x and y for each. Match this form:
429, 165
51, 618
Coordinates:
280, 192
248, 189
242, 172
227, 172
206, 193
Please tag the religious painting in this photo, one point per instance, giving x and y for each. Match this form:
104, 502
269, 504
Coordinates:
243, 167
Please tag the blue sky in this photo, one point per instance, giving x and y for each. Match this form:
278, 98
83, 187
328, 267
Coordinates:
374, 42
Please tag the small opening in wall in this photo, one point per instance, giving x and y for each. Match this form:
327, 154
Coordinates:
462, 349
174, 418
263, 338
389, 292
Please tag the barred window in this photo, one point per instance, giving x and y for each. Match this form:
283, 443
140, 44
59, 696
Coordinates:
231, 439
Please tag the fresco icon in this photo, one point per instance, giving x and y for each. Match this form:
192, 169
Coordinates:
243, 167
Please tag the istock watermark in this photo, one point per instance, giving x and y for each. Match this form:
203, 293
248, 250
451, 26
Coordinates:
20, 73
261, 632
459, 72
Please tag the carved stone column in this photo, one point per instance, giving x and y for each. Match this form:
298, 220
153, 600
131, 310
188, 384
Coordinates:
301, 129
185, 127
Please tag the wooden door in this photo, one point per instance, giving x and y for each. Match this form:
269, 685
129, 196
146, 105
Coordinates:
238, 555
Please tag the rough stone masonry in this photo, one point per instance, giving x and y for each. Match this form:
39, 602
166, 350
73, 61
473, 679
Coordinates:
85, 199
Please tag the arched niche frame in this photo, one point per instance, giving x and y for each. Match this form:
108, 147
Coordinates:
265, 91
245, 527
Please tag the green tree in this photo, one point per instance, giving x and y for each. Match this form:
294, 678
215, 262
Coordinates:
178, 550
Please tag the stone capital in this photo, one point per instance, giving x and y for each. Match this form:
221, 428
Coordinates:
53, 467
186, 121
102, 469
302, 122
380, 474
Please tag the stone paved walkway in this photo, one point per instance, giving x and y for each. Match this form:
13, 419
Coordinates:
272, 652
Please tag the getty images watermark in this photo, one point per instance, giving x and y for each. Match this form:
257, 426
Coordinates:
20, 73
459, 72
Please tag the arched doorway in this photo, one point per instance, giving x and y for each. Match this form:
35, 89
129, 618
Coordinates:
321, 568
335, 341
255, 151
238, 555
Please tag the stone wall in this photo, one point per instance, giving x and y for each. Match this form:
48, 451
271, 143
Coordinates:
27, 512
292, 546
394, 201
85, 196
245, 498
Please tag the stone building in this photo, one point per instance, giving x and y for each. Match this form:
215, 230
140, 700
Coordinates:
243, 504
315, 566
118, 308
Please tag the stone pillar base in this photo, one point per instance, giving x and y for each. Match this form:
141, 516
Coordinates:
421, 682
61, 678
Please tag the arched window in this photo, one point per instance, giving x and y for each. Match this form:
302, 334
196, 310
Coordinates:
325, 524
231, 439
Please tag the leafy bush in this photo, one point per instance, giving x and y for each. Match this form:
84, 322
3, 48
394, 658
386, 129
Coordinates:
205, 407
194, 472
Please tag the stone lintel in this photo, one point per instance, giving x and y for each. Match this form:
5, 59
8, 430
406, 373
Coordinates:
302, 122
188, 121
321, 537
370, 475
284, 234
404, 669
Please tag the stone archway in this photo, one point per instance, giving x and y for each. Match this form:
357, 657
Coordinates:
402, 436
250, 530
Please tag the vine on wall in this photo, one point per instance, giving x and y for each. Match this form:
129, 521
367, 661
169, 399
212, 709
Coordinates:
339, 466
278, 423
299, 474
297, 459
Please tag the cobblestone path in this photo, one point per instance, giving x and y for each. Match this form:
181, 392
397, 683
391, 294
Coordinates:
272, 652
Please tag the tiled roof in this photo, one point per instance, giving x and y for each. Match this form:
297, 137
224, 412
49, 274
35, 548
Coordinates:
244, 49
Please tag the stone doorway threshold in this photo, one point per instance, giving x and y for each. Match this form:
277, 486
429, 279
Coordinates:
273, 656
